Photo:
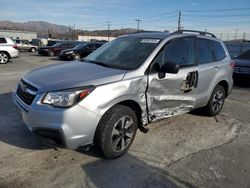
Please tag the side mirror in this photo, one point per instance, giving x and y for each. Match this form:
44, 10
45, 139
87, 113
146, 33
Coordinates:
170, 67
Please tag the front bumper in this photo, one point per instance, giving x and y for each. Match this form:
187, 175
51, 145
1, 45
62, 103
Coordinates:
241, 70
66, 56
64, 127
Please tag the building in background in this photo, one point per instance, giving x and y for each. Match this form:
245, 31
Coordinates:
94, 38
23, 35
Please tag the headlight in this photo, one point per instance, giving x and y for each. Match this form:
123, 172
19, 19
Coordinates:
66, 98
69, 52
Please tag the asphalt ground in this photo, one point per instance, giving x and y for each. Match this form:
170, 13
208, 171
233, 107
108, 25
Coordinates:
189, 150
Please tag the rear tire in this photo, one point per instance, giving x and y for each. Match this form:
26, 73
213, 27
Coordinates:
116, 131
216, 101
33, 50
51, 53
4, 58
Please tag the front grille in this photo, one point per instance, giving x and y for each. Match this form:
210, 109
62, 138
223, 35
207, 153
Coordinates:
242, 70
23, 92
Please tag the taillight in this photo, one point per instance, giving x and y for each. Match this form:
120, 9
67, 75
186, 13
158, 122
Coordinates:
232, 63
15, 46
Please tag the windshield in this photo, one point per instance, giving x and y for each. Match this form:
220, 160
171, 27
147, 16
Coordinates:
79, 46
125, 53
56, 44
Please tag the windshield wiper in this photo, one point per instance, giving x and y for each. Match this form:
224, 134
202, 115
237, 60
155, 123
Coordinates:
96, 62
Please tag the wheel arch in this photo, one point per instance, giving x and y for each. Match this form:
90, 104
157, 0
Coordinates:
224, 84
6, 53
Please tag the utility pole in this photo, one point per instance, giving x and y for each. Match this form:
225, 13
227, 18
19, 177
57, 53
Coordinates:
138, 23
236, 31
244, 36
220, 36
108, 29
179, 21
73, 36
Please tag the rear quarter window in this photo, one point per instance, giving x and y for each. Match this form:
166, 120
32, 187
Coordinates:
3, 41
219, 51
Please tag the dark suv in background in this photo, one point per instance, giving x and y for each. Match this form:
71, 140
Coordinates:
242, 64
56, 48
80, 51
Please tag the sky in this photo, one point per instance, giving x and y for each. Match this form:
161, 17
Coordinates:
226, 18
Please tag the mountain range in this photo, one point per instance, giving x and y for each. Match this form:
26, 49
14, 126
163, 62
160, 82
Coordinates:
43, 28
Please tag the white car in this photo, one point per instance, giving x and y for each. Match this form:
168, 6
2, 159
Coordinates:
8, 50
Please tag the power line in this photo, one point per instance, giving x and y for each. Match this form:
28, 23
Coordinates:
216, 10
218, 15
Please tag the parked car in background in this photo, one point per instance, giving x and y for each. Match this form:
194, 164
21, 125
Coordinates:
8, 50
55, 49
242, 64
25, 45
80, 51
126, 84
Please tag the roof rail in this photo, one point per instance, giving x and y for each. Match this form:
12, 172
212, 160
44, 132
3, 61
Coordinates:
194, 31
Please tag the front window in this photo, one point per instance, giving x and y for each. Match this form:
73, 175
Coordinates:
125, 53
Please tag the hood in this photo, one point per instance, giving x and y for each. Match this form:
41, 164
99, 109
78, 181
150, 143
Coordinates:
67, 50
72, 74
242, 63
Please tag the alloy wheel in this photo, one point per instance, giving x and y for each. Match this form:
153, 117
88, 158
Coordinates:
3, 58
122, 133
218, 100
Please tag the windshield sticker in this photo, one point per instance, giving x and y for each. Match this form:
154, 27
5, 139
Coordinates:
153, 41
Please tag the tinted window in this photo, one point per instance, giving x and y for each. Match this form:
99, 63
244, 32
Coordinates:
3, 40
245, 55
91, 46
205, 53
219, 51
64, 45
181, 51
97, 45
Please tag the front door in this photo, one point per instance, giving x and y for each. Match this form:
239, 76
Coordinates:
172, 94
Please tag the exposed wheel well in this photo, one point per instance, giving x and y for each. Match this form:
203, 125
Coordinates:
136, 107
225, 85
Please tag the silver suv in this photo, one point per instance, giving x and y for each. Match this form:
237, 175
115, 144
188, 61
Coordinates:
123, 86
8, 50
25, 45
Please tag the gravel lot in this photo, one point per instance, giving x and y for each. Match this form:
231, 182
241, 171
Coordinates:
190, 150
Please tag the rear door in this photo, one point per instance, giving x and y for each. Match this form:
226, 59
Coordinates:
174, 93
208, 69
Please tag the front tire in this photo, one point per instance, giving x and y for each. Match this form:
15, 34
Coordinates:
216, 101
4, 58
116, 131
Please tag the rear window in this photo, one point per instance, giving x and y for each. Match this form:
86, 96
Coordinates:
3, 41
219, 51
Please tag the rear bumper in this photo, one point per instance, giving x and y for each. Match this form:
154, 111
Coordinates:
14, 54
